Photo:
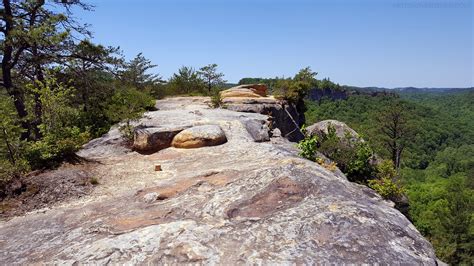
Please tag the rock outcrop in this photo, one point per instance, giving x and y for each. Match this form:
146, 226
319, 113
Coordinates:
199, 136
343, 131
247, 91
282, 115
253, 98
153, 139
242, 202
333, 94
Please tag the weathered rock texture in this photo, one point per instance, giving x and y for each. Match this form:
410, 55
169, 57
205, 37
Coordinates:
242, 202
342, 130
249, 90
153, 139
199, 136
283, 115
319, 94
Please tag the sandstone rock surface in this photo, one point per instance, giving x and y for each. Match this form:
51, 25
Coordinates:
284, 116
153, 139
342, 130
247, 91
242, 202
199, 136
258, 129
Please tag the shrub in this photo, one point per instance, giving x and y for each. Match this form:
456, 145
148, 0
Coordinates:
353, 158
10, 130
61, 138
55, 147
291, 90
308, 147
186, 81
216, 100
359, 167
127, 105
385, 184
9, 172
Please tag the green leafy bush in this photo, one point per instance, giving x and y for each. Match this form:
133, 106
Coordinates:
353, 158
10, 131
216, 99
359, 167
128, 105
308, 147
10, 172
187, 81
60, 137
291, 90
12, 164
385, 184
55, 147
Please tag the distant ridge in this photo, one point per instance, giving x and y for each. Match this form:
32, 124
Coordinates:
410, 89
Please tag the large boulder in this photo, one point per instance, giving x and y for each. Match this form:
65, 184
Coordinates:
246, 91
199, 136
343, 131
258, 129
153, 139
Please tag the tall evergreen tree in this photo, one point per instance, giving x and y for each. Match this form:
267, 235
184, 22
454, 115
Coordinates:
135, 73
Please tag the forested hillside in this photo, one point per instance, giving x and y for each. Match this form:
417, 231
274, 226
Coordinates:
437, 163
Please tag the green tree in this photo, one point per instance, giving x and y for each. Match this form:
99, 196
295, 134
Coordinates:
135, 73
34, 36
306, 75
293, 91
128, 105
88, 66
210, 76
186, 81
10, 130
61, 137
393, 123
458, 221
12, 164
92, 69
386, 183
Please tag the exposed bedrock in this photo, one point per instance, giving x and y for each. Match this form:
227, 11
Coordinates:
245, 201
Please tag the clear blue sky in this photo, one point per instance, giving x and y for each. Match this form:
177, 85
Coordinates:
391, 43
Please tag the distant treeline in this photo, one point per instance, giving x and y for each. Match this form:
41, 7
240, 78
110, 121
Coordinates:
272, 83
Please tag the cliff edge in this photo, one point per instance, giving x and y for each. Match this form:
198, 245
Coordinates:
247, 198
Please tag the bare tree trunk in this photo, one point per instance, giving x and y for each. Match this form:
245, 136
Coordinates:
38, 105
10, 150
